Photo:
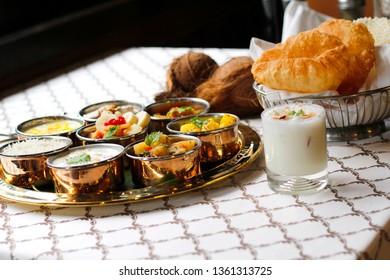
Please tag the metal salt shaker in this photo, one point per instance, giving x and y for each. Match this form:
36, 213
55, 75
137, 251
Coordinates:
351, 9
382, 8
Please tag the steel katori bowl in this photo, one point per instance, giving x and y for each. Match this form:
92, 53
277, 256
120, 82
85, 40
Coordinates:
28, 169
349, 117
157, 171
157, 109
218, 144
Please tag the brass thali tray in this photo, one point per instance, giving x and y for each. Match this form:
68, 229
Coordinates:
251, 147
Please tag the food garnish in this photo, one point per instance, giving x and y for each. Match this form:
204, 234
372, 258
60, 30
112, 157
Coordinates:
296, 113
112, 131
198, 122
82, 158
184, 109
153, 137
287, 114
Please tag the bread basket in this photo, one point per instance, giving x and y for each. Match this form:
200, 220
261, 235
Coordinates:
353, 117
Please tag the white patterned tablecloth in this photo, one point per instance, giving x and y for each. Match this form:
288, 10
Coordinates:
237, 218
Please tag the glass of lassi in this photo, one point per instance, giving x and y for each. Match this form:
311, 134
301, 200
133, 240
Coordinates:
295, 149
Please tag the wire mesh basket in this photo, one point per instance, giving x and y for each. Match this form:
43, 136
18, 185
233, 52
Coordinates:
351, 117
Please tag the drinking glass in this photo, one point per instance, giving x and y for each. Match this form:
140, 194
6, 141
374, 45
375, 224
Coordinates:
295, 148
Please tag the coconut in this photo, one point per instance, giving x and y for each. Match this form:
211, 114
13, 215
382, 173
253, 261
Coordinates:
229, 88
186, 73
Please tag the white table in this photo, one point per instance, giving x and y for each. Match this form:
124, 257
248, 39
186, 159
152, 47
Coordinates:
237, 218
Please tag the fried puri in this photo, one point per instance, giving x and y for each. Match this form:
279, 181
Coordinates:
360, 45
309, 62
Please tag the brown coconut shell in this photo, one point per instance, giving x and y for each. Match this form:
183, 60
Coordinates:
229, 88
186, 73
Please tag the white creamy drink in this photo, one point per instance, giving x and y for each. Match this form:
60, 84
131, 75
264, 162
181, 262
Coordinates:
294, 137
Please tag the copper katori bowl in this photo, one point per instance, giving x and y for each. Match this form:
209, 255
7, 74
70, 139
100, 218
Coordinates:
83, 136
158, 171
28, 169
162, 107
50, 126
91, 112
102, 174
217, 145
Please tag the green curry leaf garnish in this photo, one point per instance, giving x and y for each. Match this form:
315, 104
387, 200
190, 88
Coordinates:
152, 137
198, 122
82, 158
111, 132
184, 108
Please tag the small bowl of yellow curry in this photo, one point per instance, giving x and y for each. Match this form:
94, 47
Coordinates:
217, 131
50, 126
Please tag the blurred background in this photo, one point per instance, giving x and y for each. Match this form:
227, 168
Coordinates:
41, 38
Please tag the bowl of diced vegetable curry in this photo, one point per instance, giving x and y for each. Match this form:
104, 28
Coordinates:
117, 129
161, 159
217, 131
92, 112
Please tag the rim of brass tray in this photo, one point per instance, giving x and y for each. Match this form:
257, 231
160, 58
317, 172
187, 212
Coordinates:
251, 147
